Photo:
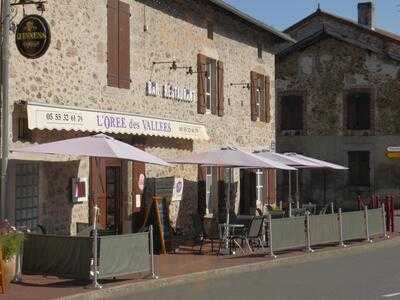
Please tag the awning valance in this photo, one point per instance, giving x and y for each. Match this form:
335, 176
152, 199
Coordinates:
45, 116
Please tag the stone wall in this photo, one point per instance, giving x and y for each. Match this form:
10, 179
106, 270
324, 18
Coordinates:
74, 73
325, 72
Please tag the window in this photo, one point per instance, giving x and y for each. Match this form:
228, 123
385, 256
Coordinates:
27, 195
359, 111
210, 88
209, 186
210, 78
259, 186
359, 172
210, 30
259, 50
118, 44
260, 97
292, 112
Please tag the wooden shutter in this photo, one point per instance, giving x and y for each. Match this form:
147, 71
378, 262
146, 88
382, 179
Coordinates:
351, 112
112, 43
214, 86
267, 99
253, 189
299, 112
263, 113
201, 190
271, 189
124, 63
253, 95
220, 76
201, 89
221, 194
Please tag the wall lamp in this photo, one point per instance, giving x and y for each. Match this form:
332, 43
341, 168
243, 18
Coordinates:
245, 85
174, 66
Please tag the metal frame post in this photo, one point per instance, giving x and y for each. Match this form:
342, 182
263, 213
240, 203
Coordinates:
96, 285
153, 269
366, 224
5, 83
308, 233
340, 222
384, 231
332, 208
271, 250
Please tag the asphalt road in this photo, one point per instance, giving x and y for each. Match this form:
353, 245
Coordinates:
371, 275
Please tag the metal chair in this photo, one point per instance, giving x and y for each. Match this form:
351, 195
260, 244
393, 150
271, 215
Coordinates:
200, 234
253, 235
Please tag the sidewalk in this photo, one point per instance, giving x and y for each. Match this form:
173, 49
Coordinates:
176, 268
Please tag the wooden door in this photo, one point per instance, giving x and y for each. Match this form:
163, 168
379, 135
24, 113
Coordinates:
98, 189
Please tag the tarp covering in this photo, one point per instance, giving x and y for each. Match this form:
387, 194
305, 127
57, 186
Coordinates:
353, 225
288, 233
375, 221
66, 257
324, 229
124, 254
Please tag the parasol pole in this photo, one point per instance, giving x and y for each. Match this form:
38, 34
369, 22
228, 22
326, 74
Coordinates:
297, 190
290, 193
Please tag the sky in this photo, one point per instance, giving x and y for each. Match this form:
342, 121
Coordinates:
283, 13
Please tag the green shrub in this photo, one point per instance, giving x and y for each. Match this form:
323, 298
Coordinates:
11, 243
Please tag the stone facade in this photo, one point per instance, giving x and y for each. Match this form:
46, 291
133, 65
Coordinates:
74, 73
333, 57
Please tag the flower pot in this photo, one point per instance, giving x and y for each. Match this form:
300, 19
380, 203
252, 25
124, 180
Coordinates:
9, 269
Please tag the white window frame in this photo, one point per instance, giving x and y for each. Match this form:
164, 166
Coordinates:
258, 99
208, 84
209, 187
259, 186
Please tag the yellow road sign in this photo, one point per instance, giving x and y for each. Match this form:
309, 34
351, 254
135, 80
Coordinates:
393, 155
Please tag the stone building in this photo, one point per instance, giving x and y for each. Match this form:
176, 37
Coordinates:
170, 77
338, 89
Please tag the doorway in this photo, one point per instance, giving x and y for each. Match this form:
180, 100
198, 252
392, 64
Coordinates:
106, 193
113, 199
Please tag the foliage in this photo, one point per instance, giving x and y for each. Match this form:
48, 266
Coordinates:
10, 240
11, 243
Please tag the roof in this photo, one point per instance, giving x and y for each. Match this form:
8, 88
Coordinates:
248, 18
375, 31
326, 32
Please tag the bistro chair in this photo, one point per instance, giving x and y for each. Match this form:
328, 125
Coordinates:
252, 236
200, 234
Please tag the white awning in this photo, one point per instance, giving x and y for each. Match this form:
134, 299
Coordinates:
45, 116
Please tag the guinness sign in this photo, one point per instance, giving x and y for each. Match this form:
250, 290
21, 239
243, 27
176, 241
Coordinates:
33, 36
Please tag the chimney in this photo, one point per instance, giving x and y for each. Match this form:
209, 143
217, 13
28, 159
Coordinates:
366, 14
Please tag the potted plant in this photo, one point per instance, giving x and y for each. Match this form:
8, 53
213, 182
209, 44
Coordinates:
10, 242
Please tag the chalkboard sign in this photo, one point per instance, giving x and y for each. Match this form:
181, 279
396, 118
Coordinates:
157, 215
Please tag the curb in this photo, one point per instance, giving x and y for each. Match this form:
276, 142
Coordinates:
131, 288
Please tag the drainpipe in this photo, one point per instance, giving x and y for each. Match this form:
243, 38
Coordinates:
4, 104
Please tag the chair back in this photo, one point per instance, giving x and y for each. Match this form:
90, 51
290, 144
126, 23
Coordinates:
198, 228
255, 228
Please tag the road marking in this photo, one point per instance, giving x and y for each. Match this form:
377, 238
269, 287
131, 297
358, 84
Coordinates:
391, 295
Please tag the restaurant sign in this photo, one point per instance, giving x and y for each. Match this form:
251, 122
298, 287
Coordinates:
44, 116
32, 36
169, 91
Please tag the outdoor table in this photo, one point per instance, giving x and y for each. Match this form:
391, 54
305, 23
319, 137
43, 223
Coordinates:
225, 230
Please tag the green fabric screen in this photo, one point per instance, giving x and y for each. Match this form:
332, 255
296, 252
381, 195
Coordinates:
288, 233
375, 221
353, 225
324, 229
124, 254
66, 257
